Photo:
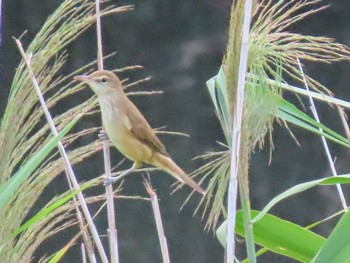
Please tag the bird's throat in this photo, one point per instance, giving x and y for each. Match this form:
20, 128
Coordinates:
110, 108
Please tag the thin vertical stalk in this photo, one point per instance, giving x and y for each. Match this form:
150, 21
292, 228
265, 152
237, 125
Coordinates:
83, 253
235, 153
159, 223
87, 241
99, 36
64, 155
112, 231
231, 214
0, 21
324, 141
245, 204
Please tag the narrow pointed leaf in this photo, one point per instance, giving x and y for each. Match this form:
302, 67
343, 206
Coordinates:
337, 247
302, 124
47, 210
279, 236
308, 93
211, 88
341, 179
10, 187
59, 255
294, 111
218, 93
220, 84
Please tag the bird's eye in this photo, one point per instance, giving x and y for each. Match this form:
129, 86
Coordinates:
104, 79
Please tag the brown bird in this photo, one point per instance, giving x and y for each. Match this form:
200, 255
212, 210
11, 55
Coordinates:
127, 128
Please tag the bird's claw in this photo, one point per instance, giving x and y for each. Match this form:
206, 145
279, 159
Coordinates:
103, 135
108, 181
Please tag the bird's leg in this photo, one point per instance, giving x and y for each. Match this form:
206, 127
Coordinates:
103, 135
112, 180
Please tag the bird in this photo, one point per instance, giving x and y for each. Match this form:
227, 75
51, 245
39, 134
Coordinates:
128, 130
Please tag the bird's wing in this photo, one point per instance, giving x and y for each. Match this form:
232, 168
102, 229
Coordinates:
143, 131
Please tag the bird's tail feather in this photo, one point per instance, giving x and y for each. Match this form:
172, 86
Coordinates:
166, 164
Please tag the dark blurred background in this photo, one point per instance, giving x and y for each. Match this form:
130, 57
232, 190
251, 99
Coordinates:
181, 45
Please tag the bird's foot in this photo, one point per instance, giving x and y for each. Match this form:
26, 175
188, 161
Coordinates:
103, 135
112, 180
109, 181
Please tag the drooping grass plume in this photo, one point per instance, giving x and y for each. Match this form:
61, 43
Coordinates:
23, 132
273, 52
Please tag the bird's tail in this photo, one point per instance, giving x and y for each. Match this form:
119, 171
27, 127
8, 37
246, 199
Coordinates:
168, 165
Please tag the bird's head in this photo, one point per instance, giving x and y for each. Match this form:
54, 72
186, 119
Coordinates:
102, 82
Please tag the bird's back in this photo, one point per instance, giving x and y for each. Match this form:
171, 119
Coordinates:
129, 131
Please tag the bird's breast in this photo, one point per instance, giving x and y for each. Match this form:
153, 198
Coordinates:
114, 119
117, 126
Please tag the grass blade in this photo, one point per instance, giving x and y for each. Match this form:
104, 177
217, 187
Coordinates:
337, 246
10, 187
47, 210
293, 111
280, 236
341, 179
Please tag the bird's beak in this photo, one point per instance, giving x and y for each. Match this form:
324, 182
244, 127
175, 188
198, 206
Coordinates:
82, 78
